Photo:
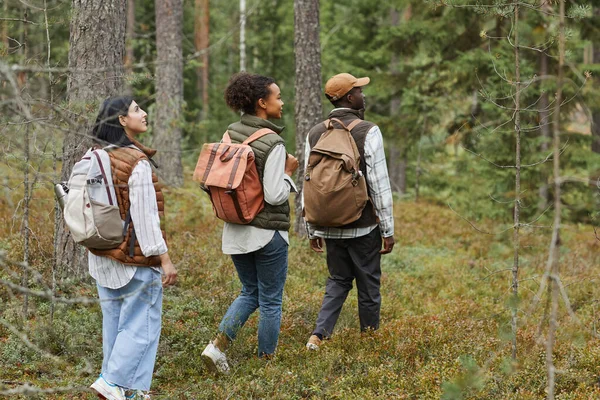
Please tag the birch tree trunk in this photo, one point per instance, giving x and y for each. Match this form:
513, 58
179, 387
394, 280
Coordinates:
544, 115
517, 205
169, 90
554, 253
309, 110
97, 48
242, 35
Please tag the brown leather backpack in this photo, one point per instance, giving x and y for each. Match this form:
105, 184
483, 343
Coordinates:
335, 190
227, 172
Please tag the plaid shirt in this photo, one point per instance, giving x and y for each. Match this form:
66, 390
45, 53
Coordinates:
379, 187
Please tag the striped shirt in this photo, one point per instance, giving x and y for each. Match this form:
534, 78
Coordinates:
379, 189
112, 274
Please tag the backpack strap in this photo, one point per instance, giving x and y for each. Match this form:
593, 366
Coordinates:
110, 201
348, 127
226, 137
234, 169
211, 160
338, 121
353, 124
233, 193
257, 135
88, 158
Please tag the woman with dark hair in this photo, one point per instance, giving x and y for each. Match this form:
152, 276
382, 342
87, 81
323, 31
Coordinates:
128, 277
259, 250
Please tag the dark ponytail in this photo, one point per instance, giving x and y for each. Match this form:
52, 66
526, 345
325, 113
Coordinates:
107, 129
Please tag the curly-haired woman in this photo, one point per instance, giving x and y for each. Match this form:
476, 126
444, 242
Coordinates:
259, 250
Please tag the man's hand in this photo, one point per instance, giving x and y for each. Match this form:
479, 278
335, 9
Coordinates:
169, 271
388, 245
317, 244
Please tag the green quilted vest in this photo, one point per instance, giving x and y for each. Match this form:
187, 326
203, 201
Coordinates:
271, 217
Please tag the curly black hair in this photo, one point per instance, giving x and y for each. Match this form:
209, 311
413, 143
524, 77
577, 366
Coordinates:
245, 89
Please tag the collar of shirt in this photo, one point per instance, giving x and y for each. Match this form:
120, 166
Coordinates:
256, 122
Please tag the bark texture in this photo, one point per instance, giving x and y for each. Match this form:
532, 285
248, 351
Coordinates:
96, 51
169, 90
309, 110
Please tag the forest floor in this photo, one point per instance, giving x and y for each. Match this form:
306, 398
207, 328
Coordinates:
445, 329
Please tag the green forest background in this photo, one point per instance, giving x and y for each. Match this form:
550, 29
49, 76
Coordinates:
443, 92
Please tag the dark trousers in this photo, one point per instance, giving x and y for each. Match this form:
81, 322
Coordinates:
349, 259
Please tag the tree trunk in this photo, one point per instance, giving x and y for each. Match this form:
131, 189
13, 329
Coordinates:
544, 117
4, 34
201, 42
309, 110
26, 231
130, 33
517, 205
26, 184
596, 109
242, 35
97, 48
418, 166
397, 160
554, 253
169, 90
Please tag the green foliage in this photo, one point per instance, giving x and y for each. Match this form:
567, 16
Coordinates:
445, 318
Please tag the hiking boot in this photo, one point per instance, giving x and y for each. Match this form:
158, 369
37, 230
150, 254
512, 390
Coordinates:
313, 343
107, 390
215, 359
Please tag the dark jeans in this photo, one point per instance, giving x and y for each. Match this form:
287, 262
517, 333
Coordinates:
262, 273
349, 259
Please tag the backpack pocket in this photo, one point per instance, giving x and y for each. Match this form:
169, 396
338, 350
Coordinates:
109, 227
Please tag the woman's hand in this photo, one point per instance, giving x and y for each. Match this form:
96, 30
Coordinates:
291, 165
169, 270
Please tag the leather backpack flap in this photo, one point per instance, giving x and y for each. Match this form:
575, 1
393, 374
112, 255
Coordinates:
207, 155
228, 167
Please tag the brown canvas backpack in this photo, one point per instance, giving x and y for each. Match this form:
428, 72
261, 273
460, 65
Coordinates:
227, 172
335, 190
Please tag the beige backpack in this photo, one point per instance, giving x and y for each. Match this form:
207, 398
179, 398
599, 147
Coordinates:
91, 211
335, 190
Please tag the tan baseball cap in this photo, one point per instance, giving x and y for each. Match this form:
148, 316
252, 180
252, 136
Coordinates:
338, 85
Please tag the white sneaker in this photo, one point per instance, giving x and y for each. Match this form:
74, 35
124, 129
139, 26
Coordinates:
215, 359
137, 395
108, 390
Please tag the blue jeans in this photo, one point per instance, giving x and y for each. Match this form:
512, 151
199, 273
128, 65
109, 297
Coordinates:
131, 322
262, 273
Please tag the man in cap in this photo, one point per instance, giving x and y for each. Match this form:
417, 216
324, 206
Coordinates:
354, 250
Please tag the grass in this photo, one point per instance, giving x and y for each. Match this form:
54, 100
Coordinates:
445, 329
